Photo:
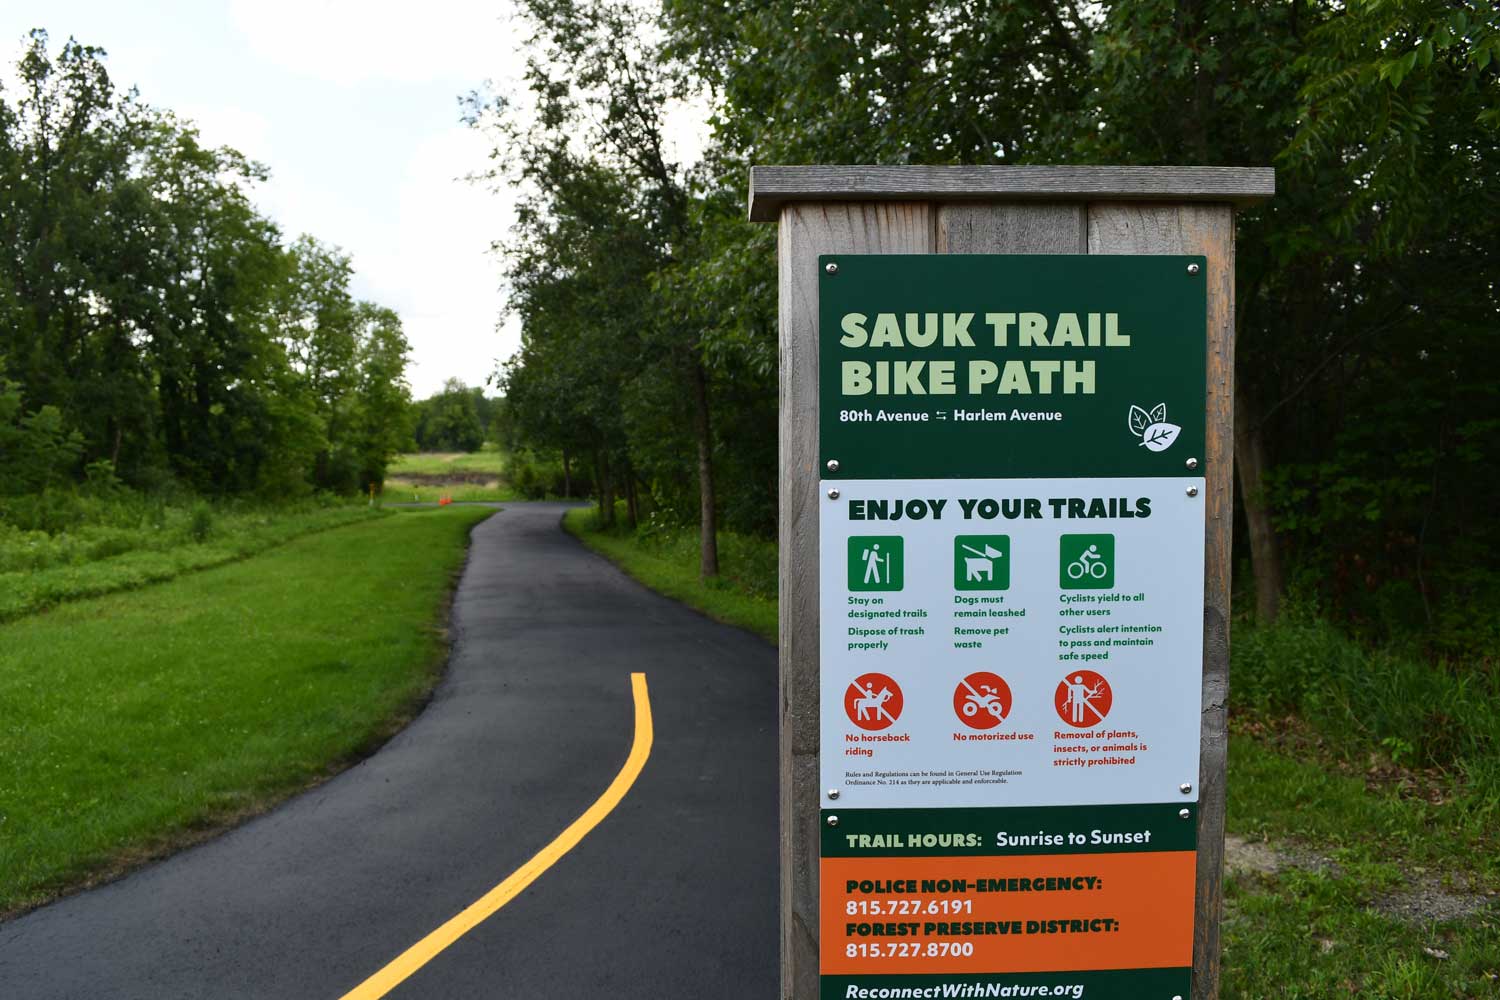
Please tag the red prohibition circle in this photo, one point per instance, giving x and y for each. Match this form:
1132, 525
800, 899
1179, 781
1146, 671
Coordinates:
982, 700
873, 701
1083, 699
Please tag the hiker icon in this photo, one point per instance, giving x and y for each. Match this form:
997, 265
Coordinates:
873, 701
875, 562
1083, 699
982, 700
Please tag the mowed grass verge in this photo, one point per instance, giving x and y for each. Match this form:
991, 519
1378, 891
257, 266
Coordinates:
489, 460
1327, 929
667, 562
134, 723
157, 559
463, 477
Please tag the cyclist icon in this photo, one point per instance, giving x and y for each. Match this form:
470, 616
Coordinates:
1086, 562
1090, 562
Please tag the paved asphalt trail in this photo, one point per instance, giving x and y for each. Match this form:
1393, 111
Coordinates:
672, 895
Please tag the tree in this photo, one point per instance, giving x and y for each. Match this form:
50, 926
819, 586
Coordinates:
449, 420
1379, 114
149, 306
595, 71
35, 449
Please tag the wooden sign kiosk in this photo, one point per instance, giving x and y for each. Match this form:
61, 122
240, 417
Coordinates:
957, 402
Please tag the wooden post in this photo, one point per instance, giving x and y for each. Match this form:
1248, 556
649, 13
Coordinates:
984, 210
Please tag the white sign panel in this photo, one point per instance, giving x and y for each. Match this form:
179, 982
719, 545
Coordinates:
1018, 642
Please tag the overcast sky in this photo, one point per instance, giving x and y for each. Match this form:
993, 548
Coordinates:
353, 104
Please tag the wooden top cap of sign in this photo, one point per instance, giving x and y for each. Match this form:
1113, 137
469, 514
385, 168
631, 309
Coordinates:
773, 187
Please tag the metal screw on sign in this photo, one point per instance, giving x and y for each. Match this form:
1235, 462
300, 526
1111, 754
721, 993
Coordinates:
833, 793
833, 465
1184, 813
833, 494
1192, 491
831, 267
1192, 463
1185, 788
1192, 268
833, 821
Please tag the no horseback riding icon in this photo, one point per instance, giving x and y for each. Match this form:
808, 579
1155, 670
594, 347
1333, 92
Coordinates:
873, 701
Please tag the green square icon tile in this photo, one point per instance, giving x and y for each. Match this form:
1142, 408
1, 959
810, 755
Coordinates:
981, 562
1086, 562
876, 562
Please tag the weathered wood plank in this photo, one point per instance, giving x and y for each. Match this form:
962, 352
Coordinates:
964, 227
772, 187
1209, 230
807, 231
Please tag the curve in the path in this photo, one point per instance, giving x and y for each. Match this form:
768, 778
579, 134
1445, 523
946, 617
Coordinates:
672, 895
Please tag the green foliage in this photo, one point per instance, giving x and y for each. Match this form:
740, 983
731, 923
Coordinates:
536, 476
491, 460
87, 545
151, 318
455, 419
36, 451
201, 522
212, 698
664, 556
1359, 699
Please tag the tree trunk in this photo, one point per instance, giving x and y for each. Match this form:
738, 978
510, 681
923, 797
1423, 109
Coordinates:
1250, 461
708, 530
606, 491
567, 476
630, 496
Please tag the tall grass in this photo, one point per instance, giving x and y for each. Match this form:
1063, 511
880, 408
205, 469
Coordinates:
665, 557
1420, 713
487, 460
96, 545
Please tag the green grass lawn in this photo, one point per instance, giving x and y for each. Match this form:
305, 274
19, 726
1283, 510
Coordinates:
1314, 931
39, 571
132, 723
489, 460
407, 491
426, 477
1324, 929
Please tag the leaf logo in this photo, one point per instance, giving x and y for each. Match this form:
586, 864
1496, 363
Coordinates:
1152, 427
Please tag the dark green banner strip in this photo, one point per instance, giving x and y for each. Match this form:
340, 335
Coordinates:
1002, 832
1125, 984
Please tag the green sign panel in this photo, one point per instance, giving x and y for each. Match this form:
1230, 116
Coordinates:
1127, 829
876, 562
944, 366
1086, 562
981, 562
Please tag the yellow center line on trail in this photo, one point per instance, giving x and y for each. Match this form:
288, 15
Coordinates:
425, 950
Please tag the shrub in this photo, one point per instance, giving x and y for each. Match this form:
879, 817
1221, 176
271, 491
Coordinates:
1427, 714
201, 522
